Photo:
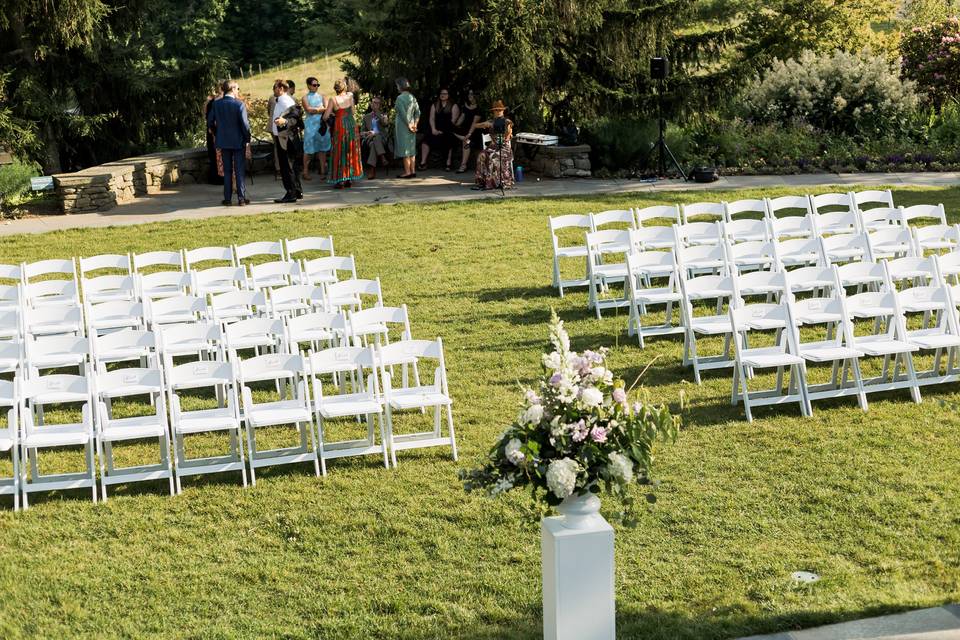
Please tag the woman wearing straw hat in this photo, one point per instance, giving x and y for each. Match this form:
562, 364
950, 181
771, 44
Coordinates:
495, 162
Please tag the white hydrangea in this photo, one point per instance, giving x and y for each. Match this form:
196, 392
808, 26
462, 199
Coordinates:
620, 467
591, 397
566, 392
533, 414
512, 451
552, 361
562, 477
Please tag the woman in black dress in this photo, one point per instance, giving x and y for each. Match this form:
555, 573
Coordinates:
443, 113
467, 131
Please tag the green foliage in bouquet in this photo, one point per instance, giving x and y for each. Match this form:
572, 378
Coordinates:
576, 433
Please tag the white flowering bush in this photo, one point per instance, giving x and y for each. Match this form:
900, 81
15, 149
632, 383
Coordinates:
575, 433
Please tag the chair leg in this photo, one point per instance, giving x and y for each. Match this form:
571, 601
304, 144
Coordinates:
23, 477
319, 461
169, 460
453, 438
745, 394
393, 450
251, 453
15, 454
103, 473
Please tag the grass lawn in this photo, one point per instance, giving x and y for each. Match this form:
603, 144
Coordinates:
867, 500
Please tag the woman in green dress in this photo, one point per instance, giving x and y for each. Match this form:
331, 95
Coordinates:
408, 114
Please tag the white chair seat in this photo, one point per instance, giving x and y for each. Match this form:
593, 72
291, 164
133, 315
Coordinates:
59, 435
827, 351
846, 254
275, 280
933, 339
800, 258
938, 244
569, 252
872, 312
371, 329
280, 412
52, 328
6, 443
416, 397
204, 420
348, 404
132, 428
657, 296
609, 271
108, 296
765, 357
9, 364
175, 318
312, 335
249, 342
881, 345
711, 325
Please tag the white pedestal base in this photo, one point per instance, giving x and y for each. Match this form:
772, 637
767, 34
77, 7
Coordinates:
578, 597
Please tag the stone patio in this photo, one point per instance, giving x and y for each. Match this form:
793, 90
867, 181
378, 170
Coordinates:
938, 623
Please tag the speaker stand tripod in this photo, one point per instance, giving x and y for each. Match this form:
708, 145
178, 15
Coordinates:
663, 150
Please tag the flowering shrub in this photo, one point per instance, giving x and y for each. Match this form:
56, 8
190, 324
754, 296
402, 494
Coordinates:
854, 94
931, 57
575, 433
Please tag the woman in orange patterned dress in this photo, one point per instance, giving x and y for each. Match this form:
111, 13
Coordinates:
345, 163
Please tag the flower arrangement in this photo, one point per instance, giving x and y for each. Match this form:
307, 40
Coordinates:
576, 433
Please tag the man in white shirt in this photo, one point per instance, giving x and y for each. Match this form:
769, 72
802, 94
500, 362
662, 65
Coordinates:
290, 177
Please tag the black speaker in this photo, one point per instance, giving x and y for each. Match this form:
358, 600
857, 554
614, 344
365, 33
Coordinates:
659, 68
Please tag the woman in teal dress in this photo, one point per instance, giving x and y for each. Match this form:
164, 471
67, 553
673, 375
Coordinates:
405, 141
313, 142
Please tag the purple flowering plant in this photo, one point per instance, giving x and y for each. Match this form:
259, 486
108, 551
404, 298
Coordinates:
576, 432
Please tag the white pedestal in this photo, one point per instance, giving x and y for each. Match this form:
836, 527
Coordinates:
578, 597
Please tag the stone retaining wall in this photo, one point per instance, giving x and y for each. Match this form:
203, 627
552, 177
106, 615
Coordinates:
104, 186
554, 162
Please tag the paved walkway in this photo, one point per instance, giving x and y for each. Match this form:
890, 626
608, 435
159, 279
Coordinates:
939, 623
203, 201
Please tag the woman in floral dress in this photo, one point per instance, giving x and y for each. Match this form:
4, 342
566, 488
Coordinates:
495, 164
345, 163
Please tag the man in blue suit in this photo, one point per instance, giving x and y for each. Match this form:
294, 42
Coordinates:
228, 120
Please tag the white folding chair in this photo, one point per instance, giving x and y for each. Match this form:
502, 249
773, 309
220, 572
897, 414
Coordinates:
882, 199
701, 288
189, 379
263, 335
654, 238
219, 280
846, 247
376, 322
779, 208
863, 275
350, 294
58, 389
56, 352
703, 258
209, 256
696, 233
753, 255
891, 343
319, 329
601, 272
165, 260
108, 287
275, 274
617, 218
746, 230
271, 249
418, 397
326, 271
942, 336
816, 279
933, 212
10, 325
949, 264
937, 237
642, 268
105, 317
834, 213
354, 375
63, 290
912, 271
878, 218
12, 357
10, 437
782, 356
125, 345
11, 297
296, 299
835, 348
237, 305
205, 339
713, 210
179, 310
668, 213
164, 284
792, 227
112, 429
800, 252
577, 221
292, 408
755, 209
11, 272
891, 242
309, 243
53, 320
770, 284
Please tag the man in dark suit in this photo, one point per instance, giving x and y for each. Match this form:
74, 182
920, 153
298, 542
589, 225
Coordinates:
289, 144
228, 118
